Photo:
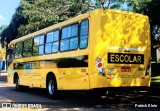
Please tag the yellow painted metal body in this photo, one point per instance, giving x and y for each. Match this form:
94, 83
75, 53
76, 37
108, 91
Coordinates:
110, 31
114, 31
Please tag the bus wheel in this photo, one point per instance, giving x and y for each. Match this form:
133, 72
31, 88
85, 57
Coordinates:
52, 87
18, 86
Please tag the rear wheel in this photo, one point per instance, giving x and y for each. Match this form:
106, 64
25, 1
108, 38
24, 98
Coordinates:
52, 87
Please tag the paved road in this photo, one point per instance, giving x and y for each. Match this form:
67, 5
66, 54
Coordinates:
80, 102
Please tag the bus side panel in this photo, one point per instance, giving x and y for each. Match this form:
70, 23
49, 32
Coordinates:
73, 79
71, 72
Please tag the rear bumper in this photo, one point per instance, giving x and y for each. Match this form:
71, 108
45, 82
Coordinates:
97, 81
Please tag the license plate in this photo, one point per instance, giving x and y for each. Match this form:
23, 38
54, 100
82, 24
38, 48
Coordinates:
125, 69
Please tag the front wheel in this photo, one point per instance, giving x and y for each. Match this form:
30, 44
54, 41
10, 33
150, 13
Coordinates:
18, 86
52, 87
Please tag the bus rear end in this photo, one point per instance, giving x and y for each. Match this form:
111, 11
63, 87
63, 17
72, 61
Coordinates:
120, 53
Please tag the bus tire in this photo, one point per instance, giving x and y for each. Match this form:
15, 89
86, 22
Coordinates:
52, 87
17, 85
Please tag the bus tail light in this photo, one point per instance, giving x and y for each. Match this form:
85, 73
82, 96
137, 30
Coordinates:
99, 65
148, 67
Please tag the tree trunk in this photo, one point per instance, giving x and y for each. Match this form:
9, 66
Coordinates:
109, 3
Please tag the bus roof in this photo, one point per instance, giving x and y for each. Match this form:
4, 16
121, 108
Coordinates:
67, 22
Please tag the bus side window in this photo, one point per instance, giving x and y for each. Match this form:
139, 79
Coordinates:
38, 45
52, 42
84, 34
18, 50
10, 55
69, 38
27, 48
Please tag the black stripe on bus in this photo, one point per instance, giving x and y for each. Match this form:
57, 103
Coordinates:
69, 62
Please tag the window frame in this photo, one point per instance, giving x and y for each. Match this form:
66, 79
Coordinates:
31, 48
38, 45
59, 41
69, 37
80, 35
59, 35
22, 42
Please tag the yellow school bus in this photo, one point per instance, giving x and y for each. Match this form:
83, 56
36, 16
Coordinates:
101, 49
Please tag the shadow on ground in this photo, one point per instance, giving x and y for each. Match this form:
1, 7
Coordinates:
83, 101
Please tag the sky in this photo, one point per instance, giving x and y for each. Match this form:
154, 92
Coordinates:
7, 9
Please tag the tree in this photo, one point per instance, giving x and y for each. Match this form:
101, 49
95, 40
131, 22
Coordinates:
129, 5
33, 15
10, 32
152, 10
43, 13
2, 28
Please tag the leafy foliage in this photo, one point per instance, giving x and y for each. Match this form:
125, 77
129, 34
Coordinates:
152, 10
33, 15
10, 32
